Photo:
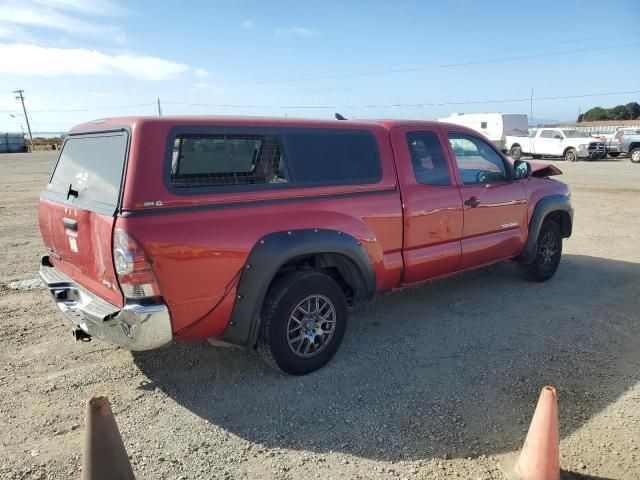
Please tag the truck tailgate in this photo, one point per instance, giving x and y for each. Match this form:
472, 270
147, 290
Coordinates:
77, 210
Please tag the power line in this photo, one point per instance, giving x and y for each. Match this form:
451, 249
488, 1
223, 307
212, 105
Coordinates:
387, 69
120, 107
402, 105
324, 107
493, 52
425, 67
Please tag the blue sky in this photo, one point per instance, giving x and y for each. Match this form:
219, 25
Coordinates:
84, 59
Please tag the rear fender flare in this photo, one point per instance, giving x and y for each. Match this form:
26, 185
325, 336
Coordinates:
269, 255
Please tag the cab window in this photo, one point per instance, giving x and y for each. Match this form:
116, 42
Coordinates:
477, 162
546, 134
427, 158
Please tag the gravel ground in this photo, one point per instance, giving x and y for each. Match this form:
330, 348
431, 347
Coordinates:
438, 381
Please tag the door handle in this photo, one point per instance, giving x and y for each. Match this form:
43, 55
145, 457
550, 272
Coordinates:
472, 202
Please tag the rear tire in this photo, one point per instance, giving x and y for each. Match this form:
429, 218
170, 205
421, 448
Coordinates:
516, 153
634, 155
304, 318
571, 155
548, 254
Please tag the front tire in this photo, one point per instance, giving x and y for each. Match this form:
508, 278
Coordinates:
516, 153
634, 155
304, 319
549, 252
571, 155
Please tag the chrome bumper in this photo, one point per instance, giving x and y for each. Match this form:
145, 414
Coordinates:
134, 327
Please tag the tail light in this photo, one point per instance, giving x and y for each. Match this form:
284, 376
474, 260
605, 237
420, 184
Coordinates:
135, 275
619, 140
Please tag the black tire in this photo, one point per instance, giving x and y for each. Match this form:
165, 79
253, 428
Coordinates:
281, 304
614, 154
571, 155
549, 252
516, 152
634, 155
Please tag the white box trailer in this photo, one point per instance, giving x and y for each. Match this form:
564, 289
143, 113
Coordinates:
495, 126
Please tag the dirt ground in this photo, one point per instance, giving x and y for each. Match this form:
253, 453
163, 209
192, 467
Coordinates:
438, 381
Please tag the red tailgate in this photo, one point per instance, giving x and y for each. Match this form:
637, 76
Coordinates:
77, 210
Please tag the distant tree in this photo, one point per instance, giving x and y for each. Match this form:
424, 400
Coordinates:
596, 113
633, 110
580, 117
630, 111
618, 112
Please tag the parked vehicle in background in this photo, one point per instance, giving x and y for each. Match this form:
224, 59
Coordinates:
630, 144
617, 139
260, 232
606, 138
571, 145
496, 126
12, 143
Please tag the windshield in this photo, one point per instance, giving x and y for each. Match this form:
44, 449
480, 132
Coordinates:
90, 168
574, 134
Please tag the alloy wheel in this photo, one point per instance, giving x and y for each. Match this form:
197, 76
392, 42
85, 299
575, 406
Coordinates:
548, 251
311, 326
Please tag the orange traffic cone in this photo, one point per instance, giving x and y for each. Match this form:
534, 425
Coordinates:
540, 457
104, 454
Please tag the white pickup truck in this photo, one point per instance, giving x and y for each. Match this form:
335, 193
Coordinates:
572, 145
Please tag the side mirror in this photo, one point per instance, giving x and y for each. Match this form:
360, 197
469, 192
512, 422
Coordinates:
521, 169
558, 137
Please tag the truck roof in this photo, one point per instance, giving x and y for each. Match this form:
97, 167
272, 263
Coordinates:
247, 121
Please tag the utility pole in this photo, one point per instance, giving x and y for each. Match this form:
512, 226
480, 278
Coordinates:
21, 98
531, 107
159, 108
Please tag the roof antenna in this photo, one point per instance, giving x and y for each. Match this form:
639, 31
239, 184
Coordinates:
339, 117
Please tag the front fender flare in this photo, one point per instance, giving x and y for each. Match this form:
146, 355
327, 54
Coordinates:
271, 253
545, 206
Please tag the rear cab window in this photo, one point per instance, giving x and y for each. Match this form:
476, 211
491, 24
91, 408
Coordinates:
89, 171
427, 158
236, 161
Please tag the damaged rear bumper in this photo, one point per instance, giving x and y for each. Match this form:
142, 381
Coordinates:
134, 327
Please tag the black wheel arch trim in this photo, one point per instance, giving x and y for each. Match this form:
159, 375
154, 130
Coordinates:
545, 206
269, 255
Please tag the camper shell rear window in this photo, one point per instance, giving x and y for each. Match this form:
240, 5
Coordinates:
240, 159
89, 170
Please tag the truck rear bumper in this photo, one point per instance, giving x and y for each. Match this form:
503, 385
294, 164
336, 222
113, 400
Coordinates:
134, 327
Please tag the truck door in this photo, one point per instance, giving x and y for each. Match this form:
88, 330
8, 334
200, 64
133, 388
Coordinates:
547, 143
432, 206
495, 206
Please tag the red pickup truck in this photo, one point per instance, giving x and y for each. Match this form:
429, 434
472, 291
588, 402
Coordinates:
260, 232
